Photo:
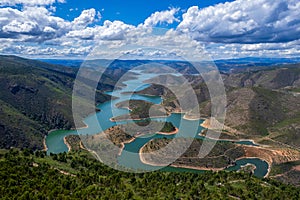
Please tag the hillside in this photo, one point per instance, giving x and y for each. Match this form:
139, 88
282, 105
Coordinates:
77, 175
139, 109
35, 98
265, 105
38, 96
260, 103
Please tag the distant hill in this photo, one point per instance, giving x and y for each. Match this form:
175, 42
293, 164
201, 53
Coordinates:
35, 97
252, 63
261, 104
224, 65
264, 102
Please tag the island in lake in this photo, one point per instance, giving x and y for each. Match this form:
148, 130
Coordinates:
261, 120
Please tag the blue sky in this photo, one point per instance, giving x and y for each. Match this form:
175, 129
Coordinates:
224, 29
129, 11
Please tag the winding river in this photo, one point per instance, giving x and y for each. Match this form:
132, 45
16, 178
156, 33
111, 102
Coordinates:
55, 142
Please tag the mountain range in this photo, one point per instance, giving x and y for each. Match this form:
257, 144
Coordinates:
262, 103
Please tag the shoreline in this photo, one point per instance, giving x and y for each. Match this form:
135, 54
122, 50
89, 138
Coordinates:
142, 134
137, 119
67, 144
123, 145
249, 165
142, 94
80, 128
233, 140
53, 130
206, 123
142, 159
169, 133
81, 145
191, 118
45, 138
122, 107
269, 164
45, 144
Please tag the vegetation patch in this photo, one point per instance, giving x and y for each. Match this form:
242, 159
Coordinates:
28, 175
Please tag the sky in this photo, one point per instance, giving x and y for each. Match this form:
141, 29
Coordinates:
222, 29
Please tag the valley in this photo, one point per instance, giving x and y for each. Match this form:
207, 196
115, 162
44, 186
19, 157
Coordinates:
141, 100
261, 117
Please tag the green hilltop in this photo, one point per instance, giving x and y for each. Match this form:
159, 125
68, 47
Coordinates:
77, 175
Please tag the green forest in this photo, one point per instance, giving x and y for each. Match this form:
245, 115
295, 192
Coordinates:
26, 174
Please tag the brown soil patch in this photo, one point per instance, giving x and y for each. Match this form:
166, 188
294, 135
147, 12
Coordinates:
297, 168
280, 155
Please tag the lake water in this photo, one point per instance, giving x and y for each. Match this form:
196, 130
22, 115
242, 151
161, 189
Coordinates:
129, 157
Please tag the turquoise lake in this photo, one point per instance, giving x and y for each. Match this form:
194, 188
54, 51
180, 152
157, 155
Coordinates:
129, 157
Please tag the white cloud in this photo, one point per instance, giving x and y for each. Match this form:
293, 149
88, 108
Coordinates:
167, 45
37, 24
115, 30
86, 17
44, 51
52, 8
21, 27
244, 21
30, 23
29, 2
235, 50
167, 16
48, 29
228, 30
85, 34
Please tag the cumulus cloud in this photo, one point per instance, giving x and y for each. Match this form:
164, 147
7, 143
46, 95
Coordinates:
237, 50
167, 45
244, 21
45, 51
29, 2
167, 16
37, 24
31, 24
86, 17
21, 27
236, 29
115, 30
85, 34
